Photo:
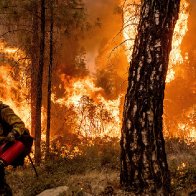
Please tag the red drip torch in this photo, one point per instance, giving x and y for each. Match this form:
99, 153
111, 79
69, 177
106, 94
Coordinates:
10, 151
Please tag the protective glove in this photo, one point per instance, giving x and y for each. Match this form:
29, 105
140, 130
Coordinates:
12, 136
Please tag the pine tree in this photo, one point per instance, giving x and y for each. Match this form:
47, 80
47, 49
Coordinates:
39, 87
50, 78
144, 168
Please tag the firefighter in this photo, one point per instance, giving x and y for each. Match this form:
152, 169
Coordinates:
11, 128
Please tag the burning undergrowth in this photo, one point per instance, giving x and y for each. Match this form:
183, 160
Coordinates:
85, 111
86, 116
87, 106
14, 80
97, 167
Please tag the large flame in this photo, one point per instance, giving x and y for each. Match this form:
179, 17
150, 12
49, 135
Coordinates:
131, 9
131, 13
13, 81
180, 30
91, 112
95, 115
186, 127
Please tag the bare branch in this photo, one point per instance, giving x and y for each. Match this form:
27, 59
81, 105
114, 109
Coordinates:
13, 31
116, 47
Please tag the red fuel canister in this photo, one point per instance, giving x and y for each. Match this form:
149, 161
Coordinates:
12, 152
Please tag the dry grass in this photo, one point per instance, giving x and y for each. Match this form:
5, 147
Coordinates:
97, 171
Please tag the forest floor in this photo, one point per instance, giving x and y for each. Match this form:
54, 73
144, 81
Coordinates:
96, 170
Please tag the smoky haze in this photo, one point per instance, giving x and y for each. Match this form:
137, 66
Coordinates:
109, 23
111, 74
105, 22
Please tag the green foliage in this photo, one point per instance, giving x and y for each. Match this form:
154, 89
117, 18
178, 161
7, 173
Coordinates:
88, 153
182, 164
70, 17
183, 179
110, 81
29, 184
179, 152
69, 23
58, 169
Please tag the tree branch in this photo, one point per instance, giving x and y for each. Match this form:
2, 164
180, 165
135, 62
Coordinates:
13, 31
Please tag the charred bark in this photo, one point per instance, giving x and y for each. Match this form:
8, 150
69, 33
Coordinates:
39, 87
34, 63
144, 168
50, 79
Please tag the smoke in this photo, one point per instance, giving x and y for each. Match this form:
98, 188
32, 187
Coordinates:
103, 14
97, 47
110, 66
105, 57
104, 23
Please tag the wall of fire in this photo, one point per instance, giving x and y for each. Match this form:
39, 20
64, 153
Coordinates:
91, 104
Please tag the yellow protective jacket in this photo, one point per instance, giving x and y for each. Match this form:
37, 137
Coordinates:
10, 121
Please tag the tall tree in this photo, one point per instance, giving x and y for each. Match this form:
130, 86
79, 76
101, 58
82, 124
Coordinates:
49, 78
144, 168
39, 87
34, 53
25, 24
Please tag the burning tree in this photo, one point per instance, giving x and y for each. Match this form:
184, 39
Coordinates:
144, 168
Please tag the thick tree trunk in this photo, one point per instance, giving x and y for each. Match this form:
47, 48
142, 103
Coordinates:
39, 87
49, 80
144, 168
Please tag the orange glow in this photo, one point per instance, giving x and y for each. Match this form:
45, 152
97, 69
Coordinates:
131, 9
187, 127
182, 166
180, 30
14, 92
96, 116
